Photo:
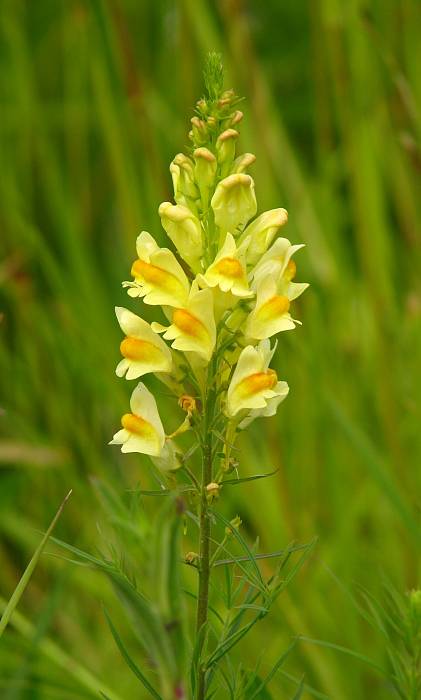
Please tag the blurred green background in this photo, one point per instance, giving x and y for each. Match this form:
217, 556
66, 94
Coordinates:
95, 100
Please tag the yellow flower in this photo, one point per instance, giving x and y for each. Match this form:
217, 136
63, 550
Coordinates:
193, 326
254, 387
234, 202
158, 277
228, 271
271, 312
185, 231
143, 350
278, 263
262, 231
142, 428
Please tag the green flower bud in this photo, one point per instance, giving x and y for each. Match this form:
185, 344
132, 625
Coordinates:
236, 118
212, 491
241, 163
199, 132
185, 188
225, 145
205, 168
235, 524
262, 231
234, 202
185, 231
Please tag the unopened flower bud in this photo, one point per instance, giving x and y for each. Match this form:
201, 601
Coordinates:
225, 145
191, 557
184, 230
182, 171
202, 105
236, 118
205, 168
235, 524
199, 130
212, 491
241, 163
262, 231
234, 202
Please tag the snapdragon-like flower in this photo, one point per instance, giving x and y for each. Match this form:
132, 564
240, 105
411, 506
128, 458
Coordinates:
185, 231
234, 202
193, 326
142, 429
142, 349
228, 271
158, 276
254, 388
262, 231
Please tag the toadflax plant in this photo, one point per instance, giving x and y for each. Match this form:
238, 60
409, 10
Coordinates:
221, 293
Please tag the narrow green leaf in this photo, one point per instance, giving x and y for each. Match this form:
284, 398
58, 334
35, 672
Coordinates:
270, 555
255, 477
146, 623
129, 661
244, 545
18, 592
196, 658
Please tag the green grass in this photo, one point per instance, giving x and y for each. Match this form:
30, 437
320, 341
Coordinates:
94, 99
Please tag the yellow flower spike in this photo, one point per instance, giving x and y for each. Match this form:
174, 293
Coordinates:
262, 231
185, 231
193, 327
254, 389
142, 428
158, 276
228, 270
143, 350
277, 263
234, 202
271, 312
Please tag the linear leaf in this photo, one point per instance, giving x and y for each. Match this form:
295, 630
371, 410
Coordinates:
129, 661
18, 592
255, 477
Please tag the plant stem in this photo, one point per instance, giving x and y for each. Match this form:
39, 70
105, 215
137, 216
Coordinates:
205, 527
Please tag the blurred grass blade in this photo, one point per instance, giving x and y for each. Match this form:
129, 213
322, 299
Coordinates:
265, 682
344, 650
147, 625
60, 658
300, 691
129, 661
167, 577
18, 592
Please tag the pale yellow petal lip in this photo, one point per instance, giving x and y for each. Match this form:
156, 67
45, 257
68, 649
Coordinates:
253, 385
142, 349
142, 429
